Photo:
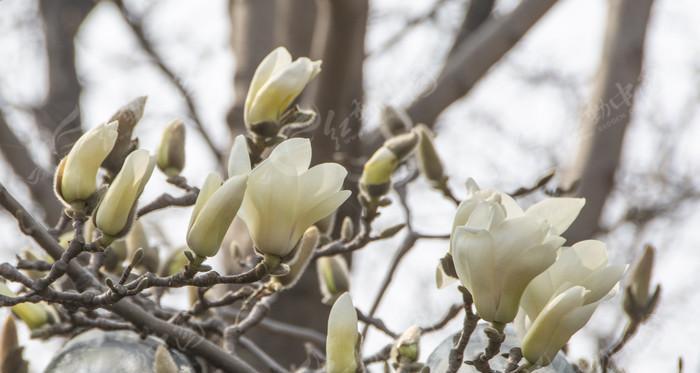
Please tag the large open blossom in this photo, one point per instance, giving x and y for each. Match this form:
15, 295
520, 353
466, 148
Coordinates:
560, 301
497, 248
285, 196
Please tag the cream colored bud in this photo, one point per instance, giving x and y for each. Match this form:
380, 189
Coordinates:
213, 213
347, 229
9, 342
429, 162
342, 337
33, 314
333, 277
394, 121
402, 145
171, 151
277, 82
239, 159
378, 170
641, 276
304, 252
406, 349
76, 176
116, 210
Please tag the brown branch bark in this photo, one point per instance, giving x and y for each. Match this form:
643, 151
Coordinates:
608, 114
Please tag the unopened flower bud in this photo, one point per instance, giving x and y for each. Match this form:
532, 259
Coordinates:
128, 117
239, 159
394, 121
342, 337
276, 83
333, 277
406, 348
116, 210
9, 342
429, 162
347, 230
639, 302
376, 174
171, 151
76, 176
34, 315
213, 213
137, 239
402, 145
304, 251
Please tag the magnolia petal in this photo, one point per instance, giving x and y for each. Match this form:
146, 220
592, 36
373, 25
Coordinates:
513, 210
211, 184
473, 256
212, 223
322, 209
342, 336
558, 212
601, 282
516, 235
294, 154
542, 340
592, 254
322, 180
274, 61
278, 92
239, 159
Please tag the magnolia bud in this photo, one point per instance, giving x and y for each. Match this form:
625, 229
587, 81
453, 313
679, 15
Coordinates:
429, 162
376, 174
171, 151
116, 210
342, 338
33, 314
394, 121
333, 277
406, 348
638, 302
128, 117
402, 145
239, 159
213, 213
137, 239
275, 85
304, 251
9, 341
347, 229
76, 176
29, 255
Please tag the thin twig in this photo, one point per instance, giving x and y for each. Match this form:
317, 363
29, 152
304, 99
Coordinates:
470, 320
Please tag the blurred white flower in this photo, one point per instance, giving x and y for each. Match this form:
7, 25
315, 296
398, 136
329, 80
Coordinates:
497, 248
276, 84
560, 301
115, 211
285, 197
76, 176
342, 337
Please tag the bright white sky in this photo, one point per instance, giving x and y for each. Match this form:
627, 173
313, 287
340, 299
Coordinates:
505, 134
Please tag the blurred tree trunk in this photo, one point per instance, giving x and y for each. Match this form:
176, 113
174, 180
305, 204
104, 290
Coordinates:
60, 114
608, 113
253, 36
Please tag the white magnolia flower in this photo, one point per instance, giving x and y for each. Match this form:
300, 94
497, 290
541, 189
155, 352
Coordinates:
342, 337
560, 301
497, 248
276, 84
77, 172
115, 211
285, 197
216, 206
